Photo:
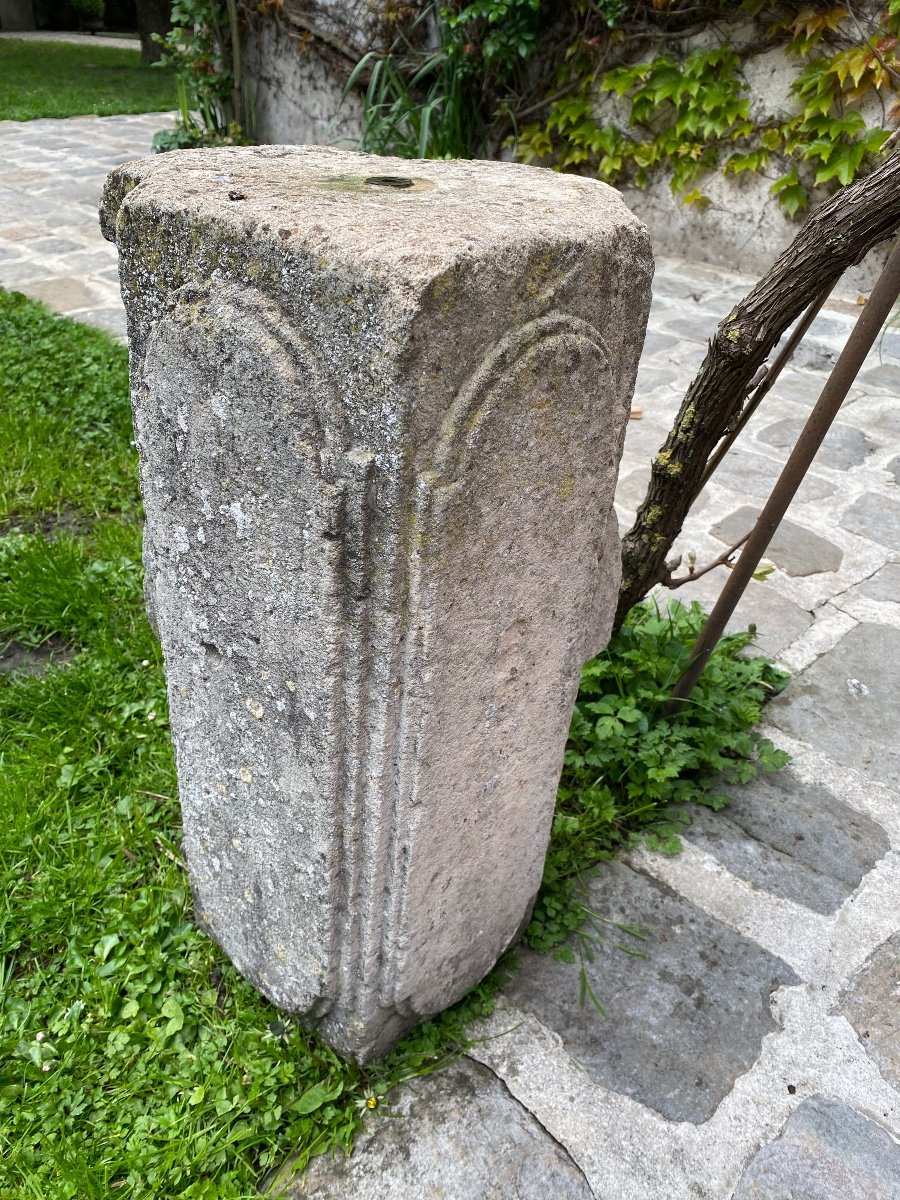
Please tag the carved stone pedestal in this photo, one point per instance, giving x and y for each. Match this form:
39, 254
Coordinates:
379, 407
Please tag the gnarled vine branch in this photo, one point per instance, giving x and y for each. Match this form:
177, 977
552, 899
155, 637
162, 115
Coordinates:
834, 237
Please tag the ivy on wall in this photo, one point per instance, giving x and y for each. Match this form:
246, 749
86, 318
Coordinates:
692, 115
615, 90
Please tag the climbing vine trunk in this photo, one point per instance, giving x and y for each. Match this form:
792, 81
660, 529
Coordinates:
837, 235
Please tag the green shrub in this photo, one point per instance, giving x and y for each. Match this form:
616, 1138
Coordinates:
90, 10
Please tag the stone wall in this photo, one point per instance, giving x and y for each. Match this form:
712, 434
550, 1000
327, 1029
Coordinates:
296, 79
16, 15
744, 227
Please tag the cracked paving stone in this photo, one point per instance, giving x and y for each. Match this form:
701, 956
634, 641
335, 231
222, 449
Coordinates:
847, 703
52, 245
62, 294
694, 327
454, 1135
110, 319
682, 1023
844, 446
796, 550
655, 341
826, 1151
871, 1003
874, 517
884, 584
796, 840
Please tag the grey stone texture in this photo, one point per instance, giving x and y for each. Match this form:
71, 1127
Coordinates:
682, 1022
844, 445
884, 584
297, 97
795, 840
826, 1151
778, 621
625, 1148
752, 474
51, 247
458, 1135
876, 518
797, 550
885, 377
847, 703
379, 431
871, 1003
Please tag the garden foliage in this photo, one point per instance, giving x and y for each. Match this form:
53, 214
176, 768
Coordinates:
633, 771
614, 90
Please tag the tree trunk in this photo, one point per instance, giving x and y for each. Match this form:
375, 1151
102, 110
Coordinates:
153, 16
834, 237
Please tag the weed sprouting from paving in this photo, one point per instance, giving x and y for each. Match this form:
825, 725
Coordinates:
630, 770
134, 1060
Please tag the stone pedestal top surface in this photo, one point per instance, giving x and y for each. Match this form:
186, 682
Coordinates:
406, 218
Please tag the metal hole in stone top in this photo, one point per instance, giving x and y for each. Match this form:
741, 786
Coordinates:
389, 181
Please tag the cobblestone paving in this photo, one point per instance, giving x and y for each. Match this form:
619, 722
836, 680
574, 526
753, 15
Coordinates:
754, 1052
51, 177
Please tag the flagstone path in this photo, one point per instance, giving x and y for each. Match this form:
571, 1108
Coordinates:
754, 1054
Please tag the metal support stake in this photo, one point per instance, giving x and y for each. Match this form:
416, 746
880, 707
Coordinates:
872, 318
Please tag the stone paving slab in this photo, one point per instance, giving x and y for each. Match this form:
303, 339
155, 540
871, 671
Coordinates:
121, 41
827, 1151
871, 1003
682, 1021
792, 839
456, 1134
847, 703
51, 176
813, 1062
794, 548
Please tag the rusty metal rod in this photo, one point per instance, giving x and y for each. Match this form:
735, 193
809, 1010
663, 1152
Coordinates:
865, 331
765, 385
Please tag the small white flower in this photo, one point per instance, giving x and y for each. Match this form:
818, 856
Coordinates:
39, 1037
45, 1066
151, 716
145, 662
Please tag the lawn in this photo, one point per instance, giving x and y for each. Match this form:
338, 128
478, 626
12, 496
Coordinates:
58, 79
132, 1054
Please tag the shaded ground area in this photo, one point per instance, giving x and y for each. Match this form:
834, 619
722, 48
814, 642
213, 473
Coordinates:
752, 1050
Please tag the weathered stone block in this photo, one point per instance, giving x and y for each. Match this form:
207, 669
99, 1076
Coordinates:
379, 407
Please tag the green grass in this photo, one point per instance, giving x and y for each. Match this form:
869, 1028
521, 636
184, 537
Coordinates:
132, 1055
134, 1060
60, 79
65, 426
